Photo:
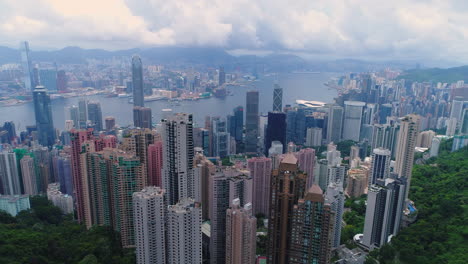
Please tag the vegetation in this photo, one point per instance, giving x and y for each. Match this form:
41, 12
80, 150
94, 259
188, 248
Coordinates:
449, 75
44, 235
354, 219
345, 147
439, 235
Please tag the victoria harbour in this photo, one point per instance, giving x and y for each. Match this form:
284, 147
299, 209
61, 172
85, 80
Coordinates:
297, 86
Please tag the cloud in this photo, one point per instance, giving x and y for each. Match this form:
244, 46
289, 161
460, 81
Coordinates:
397, 29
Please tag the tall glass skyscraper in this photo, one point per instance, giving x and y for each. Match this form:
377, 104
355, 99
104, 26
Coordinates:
277, 98
43, 112
27, 66
276, 129
251, 122
137, 78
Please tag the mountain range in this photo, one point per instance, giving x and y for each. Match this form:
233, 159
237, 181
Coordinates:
205, 57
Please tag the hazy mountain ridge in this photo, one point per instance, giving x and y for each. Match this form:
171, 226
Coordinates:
448, 75
206, 57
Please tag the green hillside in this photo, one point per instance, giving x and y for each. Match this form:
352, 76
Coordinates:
440, 234
449, 75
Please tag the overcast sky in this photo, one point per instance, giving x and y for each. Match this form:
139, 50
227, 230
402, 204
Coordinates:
390, 29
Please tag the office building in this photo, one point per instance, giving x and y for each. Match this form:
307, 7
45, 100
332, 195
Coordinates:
385, 204
313, 137
251, 122
43, 113
149, 214
276, 129
277, 98
95, 115
110, 123
311, 230
385, 110
27, 67
142, 117
74, 116
62, 81
226, 185
409, 129
260, 170
137, 81
287, 187
10, 183
13, 204
236, 124
184, 233
177, 172
221, 76
335, 123
385, 136
241, 234
221, 138
82, 114
48, 79
155, 163
352, 120
380, 168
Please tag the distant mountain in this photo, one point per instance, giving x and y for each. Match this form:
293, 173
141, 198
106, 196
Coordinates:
204, 57
449, 75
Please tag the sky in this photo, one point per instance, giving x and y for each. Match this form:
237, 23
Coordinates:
390, 29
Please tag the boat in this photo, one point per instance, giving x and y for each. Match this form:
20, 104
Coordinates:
154, 98
123, 95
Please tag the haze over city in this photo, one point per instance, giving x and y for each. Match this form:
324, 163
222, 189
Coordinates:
233, 132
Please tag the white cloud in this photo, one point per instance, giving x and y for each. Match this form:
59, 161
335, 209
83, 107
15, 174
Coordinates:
396, 29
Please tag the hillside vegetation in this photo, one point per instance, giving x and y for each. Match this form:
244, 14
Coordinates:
449, 75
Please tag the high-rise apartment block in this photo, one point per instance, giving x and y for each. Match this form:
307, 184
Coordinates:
352, 120
178, 178
251, 122
260, 169
241, 234
380, 168
149, 213
10, 183
184, 234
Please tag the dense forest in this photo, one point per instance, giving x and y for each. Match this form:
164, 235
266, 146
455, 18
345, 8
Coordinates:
449, 75
43, 235
440, 235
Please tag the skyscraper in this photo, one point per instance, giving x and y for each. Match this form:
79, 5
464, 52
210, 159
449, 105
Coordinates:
352, 120
137, 79
385, 203
335, 198
276, 129
95, 115
48, 79
380, 168
251, 122
78, 138
177, 172
82, 114
29, 175
110, 123
385, 136
221, 76
10, 183
227, 185
311, 230
409, 129
62, 82
287, 187
221, 137
184, 235
335, 123
74, 116
241, 234
27, 67
260, 170
155, 163
149, 213
142, 117
306, 162
43, 113
277, 98
314, 137
236, 127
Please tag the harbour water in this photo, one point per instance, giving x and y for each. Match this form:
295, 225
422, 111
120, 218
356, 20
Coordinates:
305, 86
